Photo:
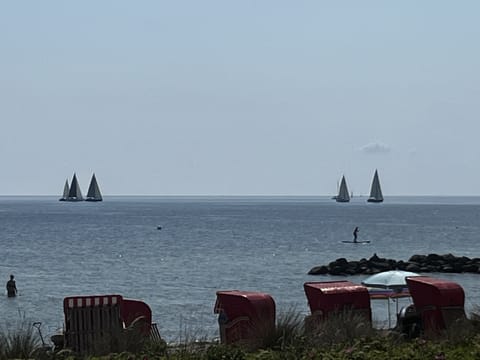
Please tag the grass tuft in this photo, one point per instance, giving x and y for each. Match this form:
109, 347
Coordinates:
19, 344
341, 327
288, 332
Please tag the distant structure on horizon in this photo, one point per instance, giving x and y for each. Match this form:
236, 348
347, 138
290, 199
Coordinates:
73, 193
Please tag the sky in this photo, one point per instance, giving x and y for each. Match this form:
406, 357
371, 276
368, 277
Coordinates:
252, 97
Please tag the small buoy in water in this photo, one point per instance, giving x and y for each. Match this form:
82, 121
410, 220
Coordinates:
159, 227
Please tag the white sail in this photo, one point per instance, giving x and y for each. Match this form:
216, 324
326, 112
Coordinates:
93, 193
376, 190
75, 194
343, 195
66, 190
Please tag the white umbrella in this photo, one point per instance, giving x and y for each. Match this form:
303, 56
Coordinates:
393, 279
394, 284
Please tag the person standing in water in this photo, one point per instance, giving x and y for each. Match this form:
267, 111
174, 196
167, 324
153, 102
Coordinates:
355, 234
11, 287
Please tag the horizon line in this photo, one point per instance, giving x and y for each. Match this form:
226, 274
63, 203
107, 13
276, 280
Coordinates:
243, 195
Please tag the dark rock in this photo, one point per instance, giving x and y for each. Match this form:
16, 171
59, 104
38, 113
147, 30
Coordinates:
417, 263
351, 271
448, 257
417, 259
374, 257
433, 257
353, 264
437, 263
318, 270
337, 270
447, 269
383, 266
412, 267
339, 262
472, 268
457, 267
362, 269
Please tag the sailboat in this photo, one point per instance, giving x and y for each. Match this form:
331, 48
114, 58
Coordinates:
375, 191
93, 193
343, 195
74, 194
66, 190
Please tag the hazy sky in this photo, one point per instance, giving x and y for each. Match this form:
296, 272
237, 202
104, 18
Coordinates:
261, 97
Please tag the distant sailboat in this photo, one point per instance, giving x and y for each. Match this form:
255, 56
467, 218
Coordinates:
74, 194
343, 195
93, 193
66, 190
376, 191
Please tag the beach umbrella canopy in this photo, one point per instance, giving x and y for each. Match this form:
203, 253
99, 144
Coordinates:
388, 285
393, 279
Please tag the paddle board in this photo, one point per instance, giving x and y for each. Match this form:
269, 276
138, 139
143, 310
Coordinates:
358, 242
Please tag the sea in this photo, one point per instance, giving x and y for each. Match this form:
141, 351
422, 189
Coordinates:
206, 244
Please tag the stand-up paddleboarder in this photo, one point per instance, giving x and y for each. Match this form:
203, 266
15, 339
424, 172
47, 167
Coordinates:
355, 234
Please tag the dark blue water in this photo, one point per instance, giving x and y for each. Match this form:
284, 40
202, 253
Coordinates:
58, 249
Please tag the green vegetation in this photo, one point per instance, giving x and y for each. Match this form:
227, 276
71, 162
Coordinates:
346, 336
20, 344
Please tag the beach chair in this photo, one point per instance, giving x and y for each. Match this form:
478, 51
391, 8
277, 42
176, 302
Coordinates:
439, 303
244, 316
328, 299
96, 324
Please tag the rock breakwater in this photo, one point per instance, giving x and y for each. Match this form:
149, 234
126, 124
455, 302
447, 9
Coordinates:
417, 263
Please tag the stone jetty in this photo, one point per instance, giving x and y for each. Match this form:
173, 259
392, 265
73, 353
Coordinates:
417, 263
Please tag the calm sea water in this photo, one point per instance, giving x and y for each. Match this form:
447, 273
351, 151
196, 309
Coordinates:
58, 249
